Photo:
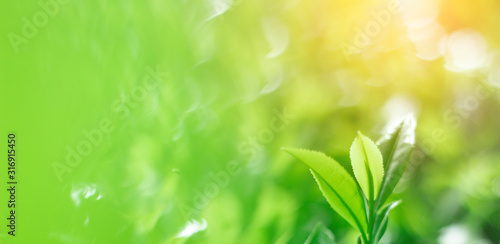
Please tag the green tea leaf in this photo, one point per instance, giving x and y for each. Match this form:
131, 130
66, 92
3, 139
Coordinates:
396, 148
382, 219
367, 165
337, 186
320, 235
351, 210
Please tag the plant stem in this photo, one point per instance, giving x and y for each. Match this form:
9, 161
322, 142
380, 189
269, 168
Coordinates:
371, 222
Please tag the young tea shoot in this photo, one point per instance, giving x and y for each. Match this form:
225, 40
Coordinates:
360, 198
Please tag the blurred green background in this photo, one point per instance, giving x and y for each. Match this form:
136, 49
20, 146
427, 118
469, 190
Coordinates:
188, 103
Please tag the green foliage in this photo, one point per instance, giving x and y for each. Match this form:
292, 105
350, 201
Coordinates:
367, 165
396, 148
363, 211
382, 219
338, 187
163, 165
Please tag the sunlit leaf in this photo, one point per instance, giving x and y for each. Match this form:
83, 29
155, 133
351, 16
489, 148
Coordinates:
396, 148
337, 186
320, 235
367, 165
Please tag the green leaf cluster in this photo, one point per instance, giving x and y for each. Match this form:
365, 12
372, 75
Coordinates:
377, 169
